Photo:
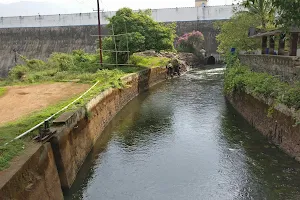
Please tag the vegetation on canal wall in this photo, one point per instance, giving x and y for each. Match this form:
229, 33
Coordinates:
239, 78
78, 67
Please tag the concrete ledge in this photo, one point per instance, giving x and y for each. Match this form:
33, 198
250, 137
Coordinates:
32, 176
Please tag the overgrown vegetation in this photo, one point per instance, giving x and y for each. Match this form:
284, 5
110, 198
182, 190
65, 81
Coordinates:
288, 11
234, 33
143, 34
59, 67
240, 78
77, 66
142, 61
191, 42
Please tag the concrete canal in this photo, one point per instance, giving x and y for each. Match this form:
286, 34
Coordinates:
182, 140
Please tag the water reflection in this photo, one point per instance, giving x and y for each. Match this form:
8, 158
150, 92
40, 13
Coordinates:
181, 140
271, 173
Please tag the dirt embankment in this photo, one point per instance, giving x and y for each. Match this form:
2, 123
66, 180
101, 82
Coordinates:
20, 101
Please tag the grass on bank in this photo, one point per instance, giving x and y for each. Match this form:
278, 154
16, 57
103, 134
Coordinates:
240, 78
2, 91
78, 67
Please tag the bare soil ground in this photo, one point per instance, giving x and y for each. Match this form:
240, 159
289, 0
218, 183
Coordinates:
20, 101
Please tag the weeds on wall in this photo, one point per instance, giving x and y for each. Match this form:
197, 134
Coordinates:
77, 67
239, 78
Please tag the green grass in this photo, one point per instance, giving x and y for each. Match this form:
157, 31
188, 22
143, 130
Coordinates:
81, 68
2, 91
106, 78
149, 61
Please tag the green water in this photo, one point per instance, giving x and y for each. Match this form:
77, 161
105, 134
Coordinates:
181, 140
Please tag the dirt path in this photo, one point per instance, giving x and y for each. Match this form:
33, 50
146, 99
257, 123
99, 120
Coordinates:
22, 100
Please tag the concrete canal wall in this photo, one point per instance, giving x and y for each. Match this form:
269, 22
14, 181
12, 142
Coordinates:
45, 169
277, 122
73, 141
32, 176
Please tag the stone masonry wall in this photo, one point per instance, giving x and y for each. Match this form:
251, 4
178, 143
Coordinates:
287, 68
41, 42
279, 125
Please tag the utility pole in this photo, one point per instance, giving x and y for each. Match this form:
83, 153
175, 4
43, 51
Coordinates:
99, 32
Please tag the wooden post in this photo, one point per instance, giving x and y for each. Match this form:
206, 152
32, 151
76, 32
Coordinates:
264, 45
294, 44
271, 44
281, 45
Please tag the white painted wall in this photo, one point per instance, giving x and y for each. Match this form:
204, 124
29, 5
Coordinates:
160, 15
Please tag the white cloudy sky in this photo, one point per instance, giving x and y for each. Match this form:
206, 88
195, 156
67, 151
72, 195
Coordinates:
87, 5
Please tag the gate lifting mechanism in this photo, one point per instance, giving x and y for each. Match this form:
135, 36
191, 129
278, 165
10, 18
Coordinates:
45, 132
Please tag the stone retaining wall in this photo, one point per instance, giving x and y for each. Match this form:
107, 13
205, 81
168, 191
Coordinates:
278, 124
287, 68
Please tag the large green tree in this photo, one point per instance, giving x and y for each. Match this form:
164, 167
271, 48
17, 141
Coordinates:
234, 32
143, 33
265, 12
288, 11
263, 9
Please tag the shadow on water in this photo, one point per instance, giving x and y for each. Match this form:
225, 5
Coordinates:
268, 172
181, 140
125, 129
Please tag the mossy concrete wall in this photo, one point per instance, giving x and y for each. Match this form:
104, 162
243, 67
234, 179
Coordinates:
32, 176
278, 123
77, 136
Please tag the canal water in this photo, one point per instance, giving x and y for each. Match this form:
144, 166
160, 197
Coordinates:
182, 140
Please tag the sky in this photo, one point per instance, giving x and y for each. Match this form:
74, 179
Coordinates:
31, 7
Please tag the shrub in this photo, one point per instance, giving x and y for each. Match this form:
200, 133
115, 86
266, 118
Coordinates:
191, 42
18, 72
144, 34
62, 61
291, 96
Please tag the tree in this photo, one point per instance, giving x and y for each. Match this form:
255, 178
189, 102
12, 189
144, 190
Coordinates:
265, 12
143, 33
191, 42
234, 32
288, 11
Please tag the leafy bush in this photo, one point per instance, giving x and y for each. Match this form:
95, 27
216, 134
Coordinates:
191, 42
149, 61
18, 72
144, 33
234, 33
34, 64
63, 61
291, 96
